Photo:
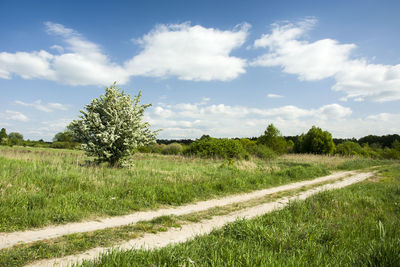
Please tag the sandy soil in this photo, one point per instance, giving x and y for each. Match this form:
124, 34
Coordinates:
186, 232
10, 239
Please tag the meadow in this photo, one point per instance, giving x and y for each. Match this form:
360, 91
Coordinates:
44, 186
40, 186
354, 226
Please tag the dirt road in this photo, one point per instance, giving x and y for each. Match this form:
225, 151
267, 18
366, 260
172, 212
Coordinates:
188, 231
10, 239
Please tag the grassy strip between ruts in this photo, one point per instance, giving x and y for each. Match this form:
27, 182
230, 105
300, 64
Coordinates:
20, 255
39, 187
354, 226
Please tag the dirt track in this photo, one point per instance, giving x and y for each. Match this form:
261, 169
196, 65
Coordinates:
10, 239
186, 232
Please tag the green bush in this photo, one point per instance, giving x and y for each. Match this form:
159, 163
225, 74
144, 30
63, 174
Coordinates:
172, 149
208, 147
153, 148
316, 141
262, 152
349, 148
273, 139
66, 145
390, 153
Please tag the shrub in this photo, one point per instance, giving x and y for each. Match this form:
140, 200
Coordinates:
273, 139
390, 153
349, 148
111, 128
216, 148
66, 145
3, 137
15, 138
316, 141
152, 148
262, 152
172, 149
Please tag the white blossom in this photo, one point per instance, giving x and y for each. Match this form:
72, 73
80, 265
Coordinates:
111, 127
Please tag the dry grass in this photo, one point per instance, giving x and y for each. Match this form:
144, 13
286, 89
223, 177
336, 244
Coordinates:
246, 165
326, 160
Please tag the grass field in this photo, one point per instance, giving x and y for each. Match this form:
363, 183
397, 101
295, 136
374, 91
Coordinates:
40, 187
22, 254
354, 226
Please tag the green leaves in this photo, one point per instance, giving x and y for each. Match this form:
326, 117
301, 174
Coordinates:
317, 141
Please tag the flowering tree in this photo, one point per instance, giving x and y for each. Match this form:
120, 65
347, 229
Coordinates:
112, 127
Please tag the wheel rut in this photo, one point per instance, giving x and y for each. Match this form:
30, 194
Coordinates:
189, 231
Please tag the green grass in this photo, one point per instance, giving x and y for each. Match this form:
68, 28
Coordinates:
40, 187
22, 254
354, 226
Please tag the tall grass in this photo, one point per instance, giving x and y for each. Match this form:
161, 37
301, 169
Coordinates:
355, 226
39, 187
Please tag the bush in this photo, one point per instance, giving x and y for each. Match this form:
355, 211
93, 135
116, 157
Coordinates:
216, 148
273, 139
153, 148
172, 149
111, 128
349, 148
316, 141
66, 145
390, 153
262, 152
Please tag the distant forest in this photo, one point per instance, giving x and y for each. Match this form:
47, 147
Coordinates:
374, 140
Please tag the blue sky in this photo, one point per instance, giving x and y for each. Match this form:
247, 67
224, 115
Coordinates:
223, 68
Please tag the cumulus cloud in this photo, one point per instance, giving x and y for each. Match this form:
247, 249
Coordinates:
191, 120
27, 65
49, 107
82, 63
47, 129
190, 53
187, 52
325, 58
11, 115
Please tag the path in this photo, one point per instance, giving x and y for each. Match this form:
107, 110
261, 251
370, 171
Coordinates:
189, 231
10, 239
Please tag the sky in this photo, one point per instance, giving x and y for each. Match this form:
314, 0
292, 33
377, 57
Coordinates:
222, 68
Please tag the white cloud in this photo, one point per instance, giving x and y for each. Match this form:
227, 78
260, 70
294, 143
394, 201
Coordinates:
274, 96
190, 53
188, 120
59, 29
49, 107
49, 128
27, 65
326, 58
13, 116
385, 117
187, 52
83, 63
